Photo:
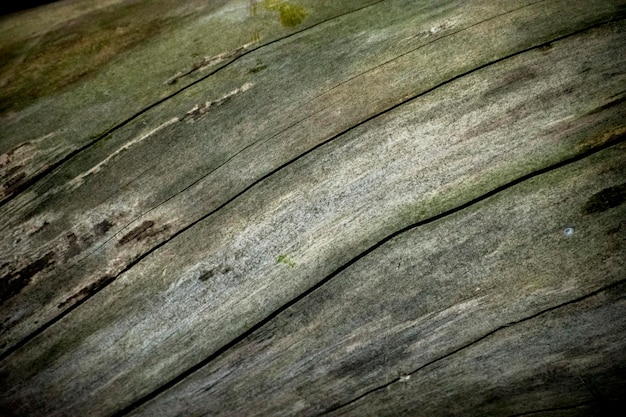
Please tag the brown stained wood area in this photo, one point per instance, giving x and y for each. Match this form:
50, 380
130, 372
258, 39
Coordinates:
313, 208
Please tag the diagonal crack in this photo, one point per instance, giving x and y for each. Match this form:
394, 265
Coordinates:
44, 171
233, 156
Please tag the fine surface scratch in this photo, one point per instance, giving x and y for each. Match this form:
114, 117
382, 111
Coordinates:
208, 62
198, 110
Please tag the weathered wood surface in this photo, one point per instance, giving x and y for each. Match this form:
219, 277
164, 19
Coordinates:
389, 332
362, 208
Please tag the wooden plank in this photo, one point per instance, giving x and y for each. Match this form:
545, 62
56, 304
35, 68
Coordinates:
75, 220
496, 309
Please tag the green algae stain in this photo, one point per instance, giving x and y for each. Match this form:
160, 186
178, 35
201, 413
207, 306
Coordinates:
291, 15
284, 259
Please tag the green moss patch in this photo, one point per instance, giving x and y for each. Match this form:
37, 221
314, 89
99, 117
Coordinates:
291, 15
284, 259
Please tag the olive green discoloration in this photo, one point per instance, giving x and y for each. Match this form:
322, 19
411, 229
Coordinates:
606, 199
291, 14
285, 170
605, 139
284, 259
72, 51
449, 282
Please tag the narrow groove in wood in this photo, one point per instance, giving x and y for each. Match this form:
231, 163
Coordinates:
51, 322
324, 281
548, 410
46, 171
478, 340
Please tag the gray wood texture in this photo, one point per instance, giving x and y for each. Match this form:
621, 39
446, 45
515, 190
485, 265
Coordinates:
314, 208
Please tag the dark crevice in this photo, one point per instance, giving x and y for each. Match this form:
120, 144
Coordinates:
41, 329
47, 170
332, 138
233, 156
297, 122
276, 312
187, 187
478, 340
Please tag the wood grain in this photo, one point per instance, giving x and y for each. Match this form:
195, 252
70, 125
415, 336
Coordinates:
492, 310
365, 210
97, 65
